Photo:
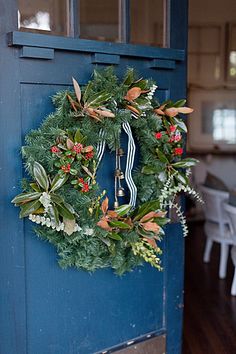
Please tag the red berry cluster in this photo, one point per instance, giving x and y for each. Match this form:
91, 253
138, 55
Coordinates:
66, 168
85, 185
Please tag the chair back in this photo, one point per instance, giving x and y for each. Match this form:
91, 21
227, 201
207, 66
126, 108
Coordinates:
213, 204
231, 212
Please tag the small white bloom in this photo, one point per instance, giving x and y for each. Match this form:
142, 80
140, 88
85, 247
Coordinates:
88, 231
45, 199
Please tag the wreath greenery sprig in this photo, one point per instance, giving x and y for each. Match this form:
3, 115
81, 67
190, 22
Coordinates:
62, 158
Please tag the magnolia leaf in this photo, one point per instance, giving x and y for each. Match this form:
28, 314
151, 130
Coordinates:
65, 212
133, 93
162, 156
151, 241
149, 216
41, 176
181, 178
58, 182
104, 206
92, 113
105, 113
35, 187
149, 170
69, 144
104, 224
123, 209
145, 208
56, 198
112, 214
53, 214
171, 112
69, 226
98, 99
150, 226
179, 103
188, 162
180, 124
77, 89
29, 208
129, 77
159, 111
119, 224
133, 109
185, 110
115, 236
72, 103
24, 198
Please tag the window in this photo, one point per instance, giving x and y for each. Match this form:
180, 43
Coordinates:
44, 16
133, 21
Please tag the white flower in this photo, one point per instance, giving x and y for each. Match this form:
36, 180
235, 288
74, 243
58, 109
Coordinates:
45, 199
88, 231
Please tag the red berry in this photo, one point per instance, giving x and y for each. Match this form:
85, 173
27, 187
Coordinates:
172, 128
178, 151
54, 149
78, 148
158, 135
66, 168
85, 188
89, 155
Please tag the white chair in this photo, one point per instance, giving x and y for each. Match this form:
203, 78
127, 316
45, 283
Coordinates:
231, 211
216, 226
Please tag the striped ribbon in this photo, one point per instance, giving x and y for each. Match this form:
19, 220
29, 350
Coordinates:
100, 147
129, 164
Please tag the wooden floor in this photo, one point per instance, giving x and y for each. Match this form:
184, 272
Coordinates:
210, 310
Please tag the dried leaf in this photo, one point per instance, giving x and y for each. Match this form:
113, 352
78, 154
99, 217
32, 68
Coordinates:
104, 224
159, 112
72, 102
149, 216
133, 93
185, 110
77, 89
104, 113
69, 144
131, 108
87, 171
150, 226
171, 112
69, 226
112, 214
151, 241
104, 206
91, 112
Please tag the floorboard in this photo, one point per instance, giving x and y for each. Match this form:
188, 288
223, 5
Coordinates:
210, 310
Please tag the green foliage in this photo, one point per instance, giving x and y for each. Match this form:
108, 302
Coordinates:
63, 196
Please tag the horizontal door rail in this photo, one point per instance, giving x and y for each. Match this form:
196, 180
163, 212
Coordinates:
21, 39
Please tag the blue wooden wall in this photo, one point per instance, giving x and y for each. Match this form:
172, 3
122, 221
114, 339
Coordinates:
45, 310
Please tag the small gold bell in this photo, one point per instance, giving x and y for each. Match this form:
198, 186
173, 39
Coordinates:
116, 204
121, 176
120, 152
120, 192
117, 172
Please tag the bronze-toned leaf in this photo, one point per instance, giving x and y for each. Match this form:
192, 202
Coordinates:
151, 241
185, 110
159, 112
72, 103
149, 216
104, 224
133, 93
150, 226
112, 214
104, 206
171, 112
91, 112
104, 113
131, 108
77, 89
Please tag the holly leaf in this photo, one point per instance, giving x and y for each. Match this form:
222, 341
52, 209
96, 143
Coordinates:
41, 176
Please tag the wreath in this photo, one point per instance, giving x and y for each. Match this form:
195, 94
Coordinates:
63, 156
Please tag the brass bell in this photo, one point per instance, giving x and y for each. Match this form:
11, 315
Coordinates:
121, 176
116, 204
120, 152
118, 172
120, 192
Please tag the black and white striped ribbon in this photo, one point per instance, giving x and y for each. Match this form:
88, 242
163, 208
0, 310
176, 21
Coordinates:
129, 164
100, 147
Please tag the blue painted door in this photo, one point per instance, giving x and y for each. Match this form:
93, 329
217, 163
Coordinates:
44, 309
